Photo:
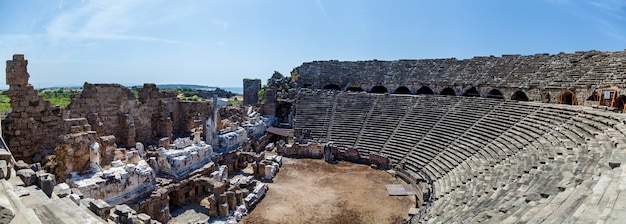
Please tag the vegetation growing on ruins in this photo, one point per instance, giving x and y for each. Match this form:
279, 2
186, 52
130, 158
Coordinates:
5, 105
60, 97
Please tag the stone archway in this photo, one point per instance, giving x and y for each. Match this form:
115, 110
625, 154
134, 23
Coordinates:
379, 89
567, 97
448, 92
519, 96
332, 87
594, 97
402, 90
425, 90
471, 92
495, 94
619, 102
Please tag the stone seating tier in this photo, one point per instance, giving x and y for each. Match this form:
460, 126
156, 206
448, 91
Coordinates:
491, 160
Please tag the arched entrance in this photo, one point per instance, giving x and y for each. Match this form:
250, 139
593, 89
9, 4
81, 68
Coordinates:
519, 96
594, 97
332, 87
495, 94
424, 90
402, 90
471, 92
354, 88
619, 103
448, 92
379, 89
567, 97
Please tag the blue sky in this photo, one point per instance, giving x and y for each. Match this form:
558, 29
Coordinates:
219, 43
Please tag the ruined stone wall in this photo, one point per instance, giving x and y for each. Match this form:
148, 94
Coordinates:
191, 116
33, 126
111, 108
536, 75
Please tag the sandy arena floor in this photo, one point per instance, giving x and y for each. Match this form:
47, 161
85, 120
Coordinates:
312, 191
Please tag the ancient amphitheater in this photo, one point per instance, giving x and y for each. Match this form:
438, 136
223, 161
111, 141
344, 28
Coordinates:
510, 139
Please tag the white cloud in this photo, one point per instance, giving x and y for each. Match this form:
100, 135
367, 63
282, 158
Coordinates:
104, 20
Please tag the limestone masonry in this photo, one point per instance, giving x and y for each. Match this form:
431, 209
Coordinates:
113, 157
510, 139
541, 77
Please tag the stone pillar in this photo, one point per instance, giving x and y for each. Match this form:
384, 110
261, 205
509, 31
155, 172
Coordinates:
94, 156
239, 196
223, 210
268, 172
212, 206
251, 89
140, 149
232, 201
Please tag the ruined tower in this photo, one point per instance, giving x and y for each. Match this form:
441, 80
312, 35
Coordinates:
251, 89
16, 71
33, 125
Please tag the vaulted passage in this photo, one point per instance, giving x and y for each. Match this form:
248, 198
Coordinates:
619, 102
379, 89
332, 86
594, 97
567, 97
519, 96
471, 92
425, 90
495, 94
448, 92
402, 90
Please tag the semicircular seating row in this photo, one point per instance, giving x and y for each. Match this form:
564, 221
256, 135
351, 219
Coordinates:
491, 160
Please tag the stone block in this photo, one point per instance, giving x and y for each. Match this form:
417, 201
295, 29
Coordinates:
35, 166
143, 218
20, 165
46, 182
4, 169
28, 176
100, 208
62, 190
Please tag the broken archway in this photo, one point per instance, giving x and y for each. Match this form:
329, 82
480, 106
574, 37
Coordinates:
519, 96
448, 92
495, 94
425, 90
402, 90
379, 89
619, 102
567, 97
471, 92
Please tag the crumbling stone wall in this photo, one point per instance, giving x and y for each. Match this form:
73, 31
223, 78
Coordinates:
33, 126
542, 77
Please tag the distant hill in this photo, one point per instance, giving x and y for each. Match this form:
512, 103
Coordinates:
184, 86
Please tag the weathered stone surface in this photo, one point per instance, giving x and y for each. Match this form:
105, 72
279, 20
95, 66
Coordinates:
110, 109
251, 88
28, 176
542, 77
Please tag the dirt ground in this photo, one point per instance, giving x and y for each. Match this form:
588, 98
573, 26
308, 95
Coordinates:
312, 191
